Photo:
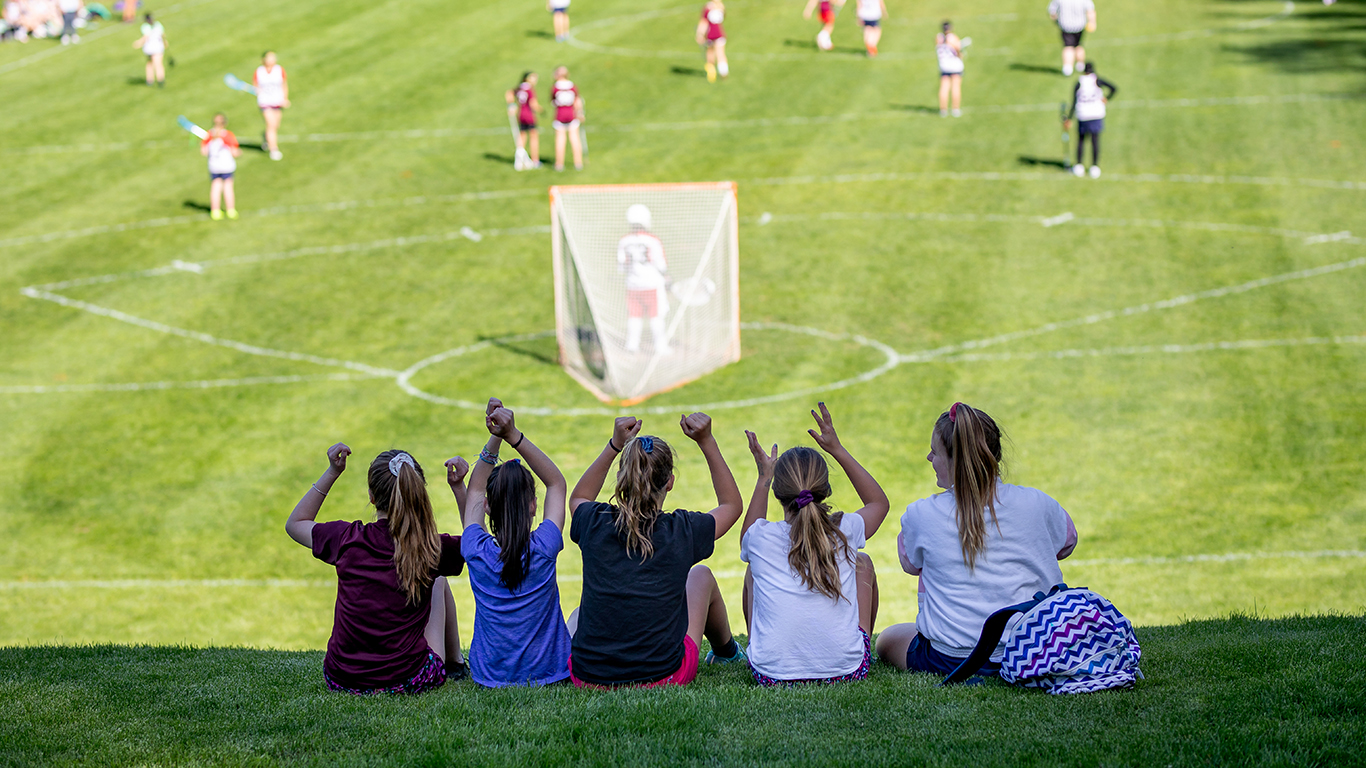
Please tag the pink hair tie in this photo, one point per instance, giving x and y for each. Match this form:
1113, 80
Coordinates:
953, 412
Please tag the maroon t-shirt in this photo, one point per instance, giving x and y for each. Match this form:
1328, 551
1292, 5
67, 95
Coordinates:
377, 636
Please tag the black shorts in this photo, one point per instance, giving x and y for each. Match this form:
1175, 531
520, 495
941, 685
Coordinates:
1071, 39
526, 126
1090, 127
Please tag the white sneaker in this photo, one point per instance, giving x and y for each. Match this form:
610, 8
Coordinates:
66, 40
943, 113
1095, 171
1067, 71
958, 113
276, 154
75, 39
1078, 170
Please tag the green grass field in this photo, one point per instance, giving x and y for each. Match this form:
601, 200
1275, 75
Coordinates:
1180, 363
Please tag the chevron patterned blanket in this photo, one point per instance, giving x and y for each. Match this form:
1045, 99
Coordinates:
1072, 641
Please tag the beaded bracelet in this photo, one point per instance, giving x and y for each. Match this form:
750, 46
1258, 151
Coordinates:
488, 458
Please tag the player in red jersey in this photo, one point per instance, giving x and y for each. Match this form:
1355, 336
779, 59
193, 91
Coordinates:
640, 255
712, 37
568, 115
221, 147
522, 99
829, 9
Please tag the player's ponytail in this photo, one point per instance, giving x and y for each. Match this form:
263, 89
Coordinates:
512, 509
643, 473
973, 444
400, 491
801, 482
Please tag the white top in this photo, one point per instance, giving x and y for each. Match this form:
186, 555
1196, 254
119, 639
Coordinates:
1017, 561
1090, 99
270, 86
869, 10
154, 41
950, 62
559, 4
1071, 13
797, 633
69, 6
220, 157
716, 15
641, 256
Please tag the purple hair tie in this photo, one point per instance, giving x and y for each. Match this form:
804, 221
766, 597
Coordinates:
647, 444
804, 498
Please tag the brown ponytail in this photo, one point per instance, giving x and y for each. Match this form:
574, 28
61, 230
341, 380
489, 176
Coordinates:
417, 548
643, 473
818, 544
972, 442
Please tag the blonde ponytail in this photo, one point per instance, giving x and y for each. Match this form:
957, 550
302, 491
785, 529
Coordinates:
973, 444
801, 482
403, 497
643, 473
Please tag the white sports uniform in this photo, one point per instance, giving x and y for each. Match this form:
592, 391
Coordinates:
154, 39
870, 10
559, 5
1090, 99
221, 160
1072, 14
270, 87
641, 256
950, 61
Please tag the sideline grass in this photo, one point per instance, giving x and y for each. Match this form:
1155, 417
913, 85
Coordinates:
1236, 691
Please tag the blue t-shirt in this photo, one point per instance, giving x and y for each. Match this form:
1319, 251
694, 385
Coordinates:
519, 637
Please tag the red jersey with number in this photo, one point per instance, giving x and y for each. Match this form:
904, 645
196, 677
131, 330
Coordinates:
525, 114
714, 17
564, 95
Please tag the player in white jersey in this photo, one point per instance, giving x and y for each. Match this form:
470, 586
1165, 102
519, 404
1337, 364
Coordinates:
220, 146
559, 10
272, 96
153, 45
949, 50
1088, 105
641, 256
1073, 17
870, 15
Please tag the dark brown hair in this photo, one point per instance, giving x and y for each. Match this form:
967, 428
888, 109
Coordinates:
512, 510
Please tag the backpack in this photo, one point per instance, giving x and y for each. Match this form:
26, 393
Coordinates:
1070, 640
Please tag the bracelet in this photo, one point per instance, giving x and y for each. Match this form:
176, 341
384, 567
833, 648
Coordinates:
314, 486
488, 458
612, 445
520, 437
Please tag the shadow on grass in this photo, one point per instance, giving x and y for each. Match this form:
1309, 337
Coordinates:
688, 71
921, 108
195, 205
541, 33
527, 348
1330, 39
1044, 162
1020, 67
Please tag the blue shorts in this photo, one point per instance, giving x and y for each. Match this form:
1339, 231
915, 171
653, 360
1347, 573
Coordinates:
922, 657
559, 10
942, 73
870, 22
217, 176
1093, 127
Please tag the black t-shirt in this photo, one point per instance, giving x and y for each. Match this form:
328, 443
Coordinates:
633, 615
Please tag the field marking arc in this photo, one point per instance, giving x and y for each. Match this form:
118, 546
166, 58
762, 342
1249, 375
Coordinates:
238, 583
1287, 9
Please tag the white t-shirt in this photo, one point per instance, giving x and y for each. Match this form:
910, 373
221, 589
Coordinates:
950, 62
154, 38
870, 10
1071, 13
69, 6
1090, 99
220, 156
798, 633
270, 86
1016, 562
559, 5
641, 256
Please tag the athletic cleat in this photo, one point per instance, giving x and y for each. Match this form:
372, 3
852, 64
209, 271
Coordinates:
872, 51
232, 213
1095, 171
1078, 170
216, 215
712, 658
958, 113
276, 154
1067, 71
711, 72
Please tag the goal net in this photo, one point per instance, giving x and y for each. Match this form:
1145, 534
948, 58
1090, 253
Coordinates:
647, 285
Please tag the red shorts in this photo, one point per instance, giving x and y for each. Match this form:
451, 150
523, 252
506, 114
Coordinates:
642, 303
687, 671
827, 14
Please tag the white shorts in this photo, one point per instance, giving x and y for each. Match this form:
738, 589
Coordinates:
559, 126
153, 50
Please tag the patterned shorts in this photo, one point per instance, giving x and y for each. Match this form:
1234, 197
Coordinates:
431, 676
858, 674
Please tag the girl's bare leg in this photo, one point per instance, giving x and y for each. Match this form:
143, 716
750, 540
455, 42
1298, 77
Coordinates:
443, 631
272, 117
159, 66
722, 66
535, 150
943, 94
521, 139
706, 610
559, 149
229, 195
215, 195
747, 601
893, 643
151, 71
957, 91
576, 146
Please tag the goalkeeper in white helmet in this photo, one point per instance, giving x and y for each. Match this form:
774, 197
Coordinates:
640, 255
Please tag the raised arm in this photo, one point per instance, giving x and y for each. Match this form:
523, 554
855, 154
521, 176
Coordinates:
810, 6
502, 424
729, 502
300, 524
875, 503
477, 505
758, 502
590, 485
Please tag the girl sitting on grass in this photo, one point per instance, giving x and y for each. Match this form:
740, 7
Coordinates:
394, 629
646, 603
519, 631
810, 596
968, 566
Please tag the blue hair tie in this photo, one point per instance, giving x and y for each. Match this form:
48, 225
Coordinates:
647, 444
515, 461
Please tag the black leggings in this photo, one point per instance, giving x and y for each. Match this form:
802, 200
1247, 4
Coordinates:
1095, 147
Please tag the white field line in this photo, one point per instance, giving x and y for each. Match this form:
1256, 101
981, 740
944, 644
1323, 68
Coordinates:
1177, 301
107, 28
1147, 349
1228, 557
249, 381
280, 210
700, 125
